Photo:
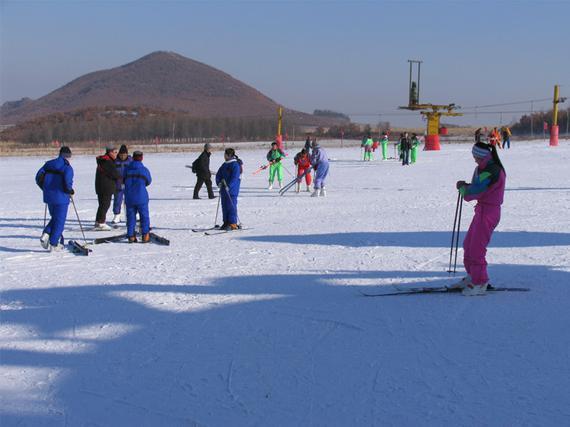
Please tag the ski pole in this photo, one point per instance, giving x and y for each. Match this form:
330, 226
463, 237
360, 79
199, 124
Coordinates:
78, 220
453, 232
457, 234
287, 170
45, 214
217, 210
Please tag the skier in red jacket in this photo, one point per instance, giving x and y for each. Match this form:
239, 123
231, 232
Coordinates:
303, 162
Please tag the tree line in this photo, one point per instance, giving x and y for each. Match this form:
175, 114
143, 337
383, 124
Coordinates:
534, 123
143, 125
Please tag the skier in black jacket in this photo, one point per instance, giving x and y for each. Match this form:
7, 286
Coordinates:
201, 167
106, 179
405, 146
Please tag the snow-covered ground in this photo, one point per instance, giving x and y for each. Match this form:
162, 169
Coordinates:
267, 326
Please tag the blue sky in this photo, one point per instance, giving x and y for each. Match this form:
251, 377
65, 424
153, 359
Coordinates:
348, 56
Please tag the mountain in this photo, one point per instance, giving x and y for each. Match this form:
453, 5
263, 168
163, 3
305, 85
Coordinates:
164, 81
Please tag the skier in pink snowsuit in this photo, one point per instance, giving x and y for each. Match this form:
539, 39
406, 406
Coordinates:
488, 188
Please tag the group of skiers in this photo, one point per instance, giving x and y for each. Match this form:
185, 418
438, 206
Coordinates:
407, 147
312, 157
121, 176
496, 138
117, 175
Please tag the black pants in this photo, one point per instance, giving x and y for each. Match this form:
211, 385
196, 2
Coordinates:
208, 182
405, 157
104, 204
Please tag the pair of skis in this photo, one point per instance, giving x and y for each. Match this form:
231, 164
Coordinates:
291, 184
214, 231
154, 238
439, 290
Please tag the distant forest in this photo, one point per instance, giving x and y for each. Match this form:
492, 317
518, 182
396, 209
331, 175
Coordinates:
534, 123
139, 124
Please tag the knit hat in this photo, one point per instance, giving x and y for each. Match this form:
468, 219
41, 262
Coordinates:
123, 149
109, 148
480, 151
65, 152
138, 155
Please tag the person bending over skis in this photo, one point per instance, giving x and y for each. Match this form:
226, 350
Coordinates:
488, 188
303, 162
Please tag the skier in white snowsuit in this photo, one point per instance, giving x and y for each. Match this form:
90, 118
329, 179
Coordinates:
320, 163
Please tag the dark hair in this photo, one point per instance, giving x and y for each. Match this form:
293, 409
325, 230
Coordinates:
230, 152
493, 151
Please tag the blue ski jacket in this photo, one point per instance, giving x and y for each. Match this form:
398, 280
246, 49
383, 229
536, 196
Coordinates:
55, 178
136, 178
230, 172
121, 166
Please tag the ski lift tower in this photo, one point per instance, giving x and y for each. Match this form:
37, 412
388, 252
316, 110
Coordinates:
432, 112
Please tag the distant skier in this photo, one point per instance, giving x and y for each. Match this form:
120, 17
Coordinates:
414, 152
106, 180
488, 188
201, 167
228, 180
274, 157
495, 138
55, 178
303, 162
384, 142
375, 144
405, 147
368, 143
137, 178
121, 162
506, 133
320, 163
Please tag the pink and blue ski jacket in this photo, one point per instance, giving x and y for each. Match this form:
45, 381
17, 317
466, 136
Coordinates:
487, 185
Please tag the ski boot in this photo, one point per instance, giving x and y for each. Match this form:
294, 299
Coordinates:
462, 284
101, 227
44, 240
472, 290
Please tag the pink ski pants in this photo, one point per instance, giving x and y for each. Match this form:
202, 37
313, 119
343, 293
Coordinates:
478, 237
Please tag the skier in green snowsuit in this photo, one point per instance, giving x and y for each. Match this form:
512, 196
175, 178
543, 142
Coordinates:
274, 157
415, 145
368, 148
384, 142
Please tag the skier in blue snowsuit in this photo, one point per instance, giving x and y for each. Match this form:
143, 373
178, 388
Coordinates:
228, 180
137, 178
121, 162
320, 163
55, 178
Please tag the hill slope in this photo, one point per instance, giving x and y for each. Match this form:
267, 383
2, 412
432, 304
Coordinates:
161, 80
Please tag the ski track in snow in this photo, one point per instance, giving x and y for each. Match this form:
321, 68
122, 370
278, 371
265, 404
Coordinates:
267, 326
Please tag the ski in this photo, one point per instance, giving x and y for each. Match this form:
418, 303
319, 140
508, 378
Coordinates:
155, 238
201, 230
78, 248
216, 232
110, 239
291, 184
441, 290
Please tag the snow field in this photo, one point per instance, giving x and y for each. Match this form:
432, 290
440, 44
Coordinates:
266, 326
